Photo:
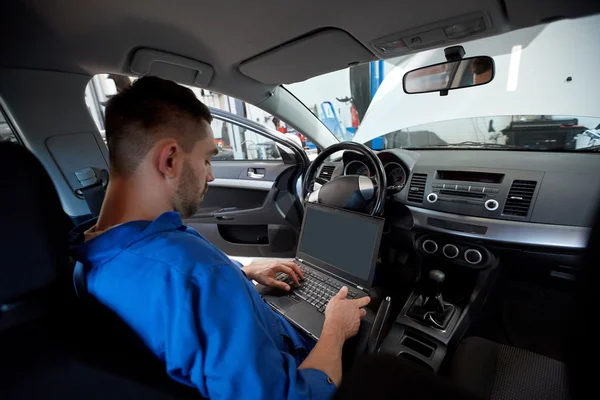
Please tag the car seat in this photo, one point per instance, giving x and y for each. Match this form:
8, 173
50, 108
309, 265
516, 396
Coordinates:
53, 345
492, 370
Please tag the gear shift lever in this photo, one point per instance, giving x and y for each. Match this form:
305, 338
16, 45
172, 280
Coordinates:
435, 303
438, 277
431, 309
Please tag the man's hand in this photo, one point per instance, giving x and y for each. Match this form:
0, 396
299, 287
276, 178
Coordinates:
342, 320
264, 273
343, 316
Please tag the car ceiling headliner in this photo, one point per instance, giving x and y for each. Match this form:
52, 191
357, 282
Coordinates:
99, 36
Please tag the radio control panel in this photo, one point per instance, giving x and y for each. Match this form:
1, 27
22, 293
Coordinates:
474, 195
501, 194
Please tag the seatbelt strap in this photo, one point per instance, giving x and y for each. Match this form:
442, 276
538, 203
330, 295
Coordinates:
79, 280
93, 181
94, 196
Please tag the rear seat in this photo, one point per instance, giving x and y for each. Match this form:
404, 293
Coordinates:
52, 345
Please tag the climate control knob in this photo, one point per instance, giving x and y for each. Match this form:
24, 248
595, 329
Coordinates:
432, 197
450, 251
429, 246
473, 256
491, 205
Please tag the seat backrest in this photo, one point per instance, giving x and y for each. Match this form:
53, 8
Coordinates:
33, 233
51, 344
118, 349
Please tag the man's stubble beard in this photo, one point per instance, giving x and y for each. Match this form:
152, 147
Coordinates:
188, 194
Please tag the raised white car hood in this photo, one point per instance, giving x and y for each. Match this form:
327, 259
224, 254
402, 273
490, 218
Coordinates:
529, 80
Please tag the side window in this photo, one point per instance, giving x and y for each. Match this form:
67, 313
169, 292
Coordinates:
6, 133
237, 143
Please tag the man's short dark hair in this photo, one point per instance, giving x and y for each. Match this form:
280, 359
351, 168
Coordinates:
150, 110
481, 65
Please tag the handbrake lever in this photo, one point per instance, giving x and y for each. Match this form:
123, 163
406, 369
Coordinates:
377, 330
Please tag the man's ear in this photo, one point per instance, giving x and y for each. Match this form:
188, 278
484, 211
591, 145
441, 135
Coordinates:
169, 159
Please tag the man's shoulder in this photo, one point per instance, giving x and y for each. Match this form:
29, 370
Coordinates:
182, 250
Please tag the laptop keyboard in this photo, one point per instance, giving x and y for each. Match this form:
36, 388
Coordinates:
315, 289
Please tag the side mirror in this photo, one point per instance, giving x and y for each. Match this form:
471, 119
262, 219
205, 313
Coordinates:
450, 75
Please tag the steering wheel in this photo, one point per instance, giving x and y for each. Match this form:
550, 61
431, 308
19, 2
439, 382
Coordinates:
352, 192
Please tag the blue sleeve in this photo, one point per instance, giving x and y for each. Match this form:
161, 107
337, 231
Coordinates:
236, 357
240, 266
322, 387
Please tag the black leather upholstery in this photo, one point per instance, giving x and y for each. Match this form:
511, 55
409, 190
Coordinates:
491, 370
34, 227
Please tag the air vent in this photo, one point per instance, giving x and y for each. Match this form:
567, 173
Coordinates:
519, 198
417, 188
326, 172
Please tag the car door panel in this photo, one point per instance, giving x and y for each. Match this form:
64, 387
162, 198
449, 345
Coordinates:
247, 217
249, 209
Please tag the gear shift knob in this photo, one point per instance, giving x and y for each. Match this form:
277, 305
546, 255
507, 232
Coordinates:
437, 276
429, 306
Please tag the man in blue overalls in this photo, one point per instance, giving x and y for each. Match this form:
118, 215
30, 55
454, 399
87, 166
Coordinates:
193, 307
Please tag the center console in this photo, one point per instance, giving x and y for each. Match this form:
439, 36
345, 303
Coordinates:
438, 311
457, 269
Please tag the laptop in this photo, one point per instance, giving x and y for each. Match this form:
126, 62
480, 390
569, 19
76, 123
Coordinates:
336, 248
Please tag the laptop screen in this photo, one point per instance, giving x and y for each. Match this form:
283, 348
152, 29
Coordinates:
342, 242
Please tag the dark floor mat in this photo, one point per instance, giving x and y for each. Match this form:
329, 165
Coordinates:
528, 316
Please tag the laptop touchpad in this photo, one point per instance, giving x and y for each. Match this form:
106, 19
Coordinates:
283, 303
307, 317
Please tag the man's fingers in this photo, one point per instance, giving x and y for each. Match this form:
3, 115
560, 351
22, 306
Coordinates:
342, 293
363, 301
295, 267
277, 284
363, 312
289, 271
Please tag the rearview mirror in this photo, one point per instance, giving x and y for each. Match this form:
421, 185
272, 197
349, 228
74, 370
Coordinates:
450, 75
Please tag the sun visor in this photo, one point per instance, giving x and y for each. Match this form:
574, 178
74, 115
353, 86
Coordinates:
312, 55
531, 12
171, 66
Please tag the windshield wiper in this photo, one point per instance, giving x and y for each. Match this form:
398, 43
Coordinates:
473, 144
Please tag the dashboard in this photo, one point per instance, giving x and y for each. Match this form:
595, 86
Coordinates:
468, 214
528, 198
396, 170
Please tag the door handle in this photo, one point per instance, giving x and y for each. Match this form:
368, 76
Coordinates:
224, 214
256, 173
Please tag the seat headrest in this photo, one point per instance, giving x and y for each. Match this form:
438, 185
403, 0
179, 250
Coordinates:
34, 227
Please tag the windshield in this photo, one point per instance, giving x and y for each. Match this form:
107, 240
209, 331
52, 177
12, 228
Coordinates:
543, 96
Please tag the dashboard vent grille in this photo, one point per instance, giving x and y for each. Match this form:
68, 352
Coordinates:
416, 189
326, 172
519, 198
